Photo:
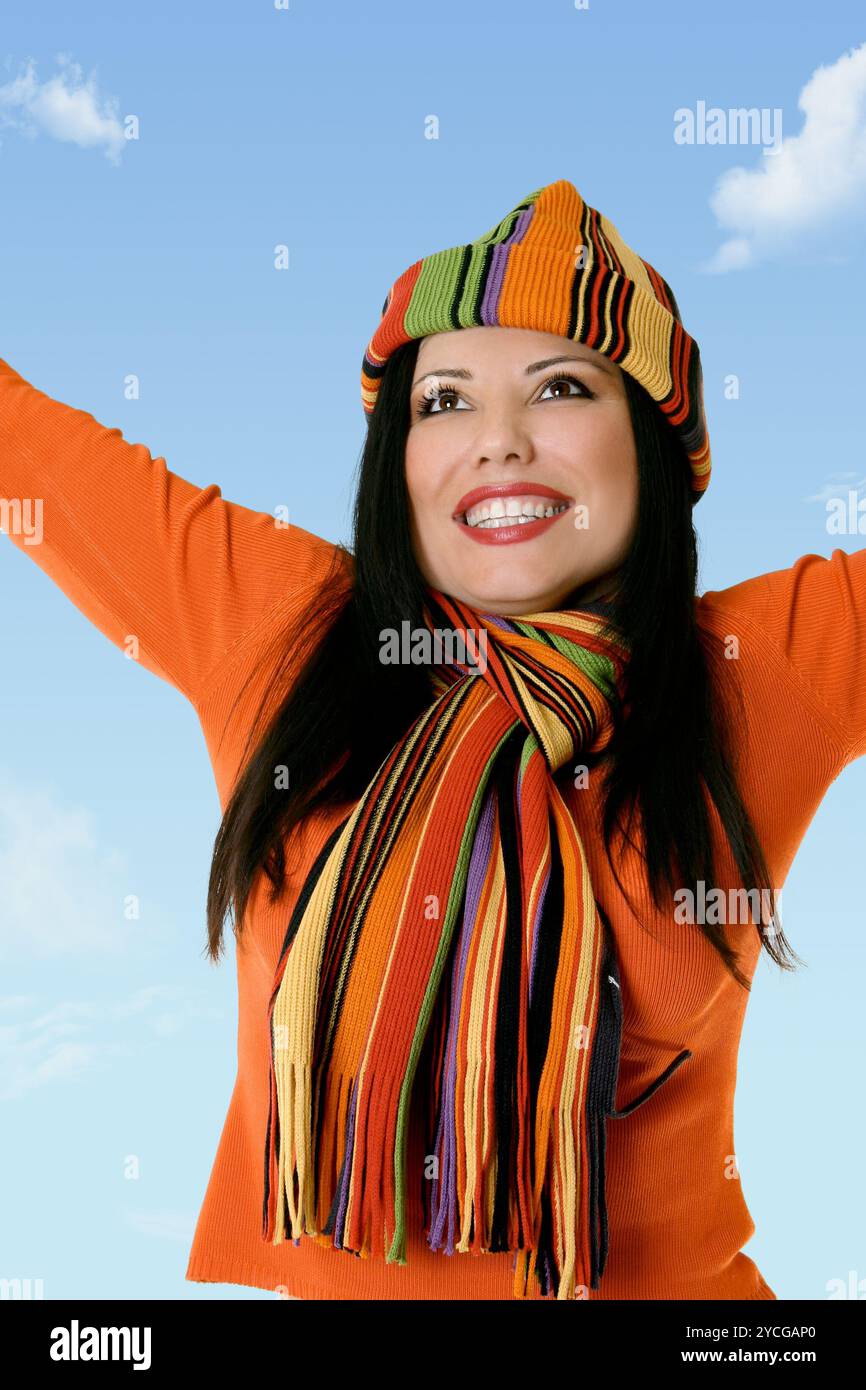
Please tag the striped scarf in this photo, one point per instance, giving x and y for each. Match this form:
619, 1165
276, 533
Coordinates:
454, 906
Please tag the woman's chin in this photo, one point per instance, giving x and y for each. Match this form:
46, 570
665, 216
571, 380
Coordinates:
517, 605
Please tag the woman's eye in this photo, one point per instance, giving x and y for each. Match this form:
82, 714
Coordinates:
566, 381
432, 397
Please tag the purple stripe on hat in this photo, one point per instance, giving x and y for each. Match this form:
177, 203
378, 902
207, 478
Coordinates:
496, 270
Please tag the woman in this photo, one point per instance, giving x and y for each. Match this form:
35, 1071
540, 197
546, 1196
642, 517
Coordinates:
500, 792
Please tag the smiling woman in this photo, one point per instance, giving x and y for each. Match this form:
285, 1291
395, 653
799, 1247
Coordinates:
602, 728
503, 433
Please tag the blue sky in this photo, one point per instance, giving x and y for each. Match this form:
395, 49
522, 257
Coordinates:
308, 126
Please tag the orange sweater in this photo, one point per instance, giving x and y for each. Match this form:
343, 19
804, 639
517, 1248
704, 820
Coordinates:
204, 584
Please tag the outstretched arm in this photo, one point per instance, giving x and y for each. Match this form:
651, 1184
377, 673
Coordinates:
170, 572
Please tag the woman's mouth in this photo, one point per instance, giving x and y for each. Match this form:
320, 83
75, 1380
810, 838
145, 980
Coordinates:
503, 520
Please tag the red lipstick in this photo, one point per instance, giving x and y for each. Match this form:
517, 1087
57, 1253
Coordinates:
521, 530
518, 489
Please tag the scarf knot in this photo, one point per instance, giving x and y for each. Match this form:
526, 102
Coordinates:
553, 670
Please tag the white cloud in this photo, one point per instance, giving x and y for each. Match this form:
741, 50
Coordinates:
72, 1038
65, 107
32, 1056
167, 1009
838, 485
61, 893
810, 181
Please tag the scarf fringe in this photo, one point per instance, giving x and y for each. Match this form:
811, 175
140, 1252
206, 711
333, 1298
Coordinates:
560, 1267
375, 1227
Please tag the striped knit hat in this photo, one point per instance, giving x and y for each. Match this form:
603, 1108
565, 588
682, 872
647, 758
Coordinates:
557, 265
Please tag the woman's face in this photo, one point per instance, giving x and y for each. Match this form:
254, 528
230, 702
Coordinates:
508, 432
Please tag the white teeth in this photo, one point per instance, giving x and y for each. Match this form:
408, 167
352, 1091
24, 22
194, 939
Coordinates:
500, 511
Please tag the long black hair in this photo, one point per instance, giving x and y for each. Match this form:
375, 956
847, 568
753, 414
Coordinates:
344, 709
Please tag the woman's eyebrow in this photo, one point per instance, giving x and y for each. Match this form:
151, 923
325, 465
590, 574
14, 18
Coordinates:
462, 374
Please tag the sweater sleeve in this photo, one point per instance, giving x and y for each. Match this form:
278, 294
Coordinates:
172, 573
815, 613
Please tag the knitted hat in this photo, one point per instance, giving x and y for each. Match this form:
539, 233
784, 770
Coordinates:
557, 265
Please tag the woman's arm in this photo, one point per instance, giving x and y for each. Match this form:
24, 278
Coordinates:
815, 612
170, 572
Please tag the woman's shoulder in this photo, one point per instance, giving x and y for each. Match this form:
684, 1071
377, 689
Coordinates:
811, 615
797, 601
